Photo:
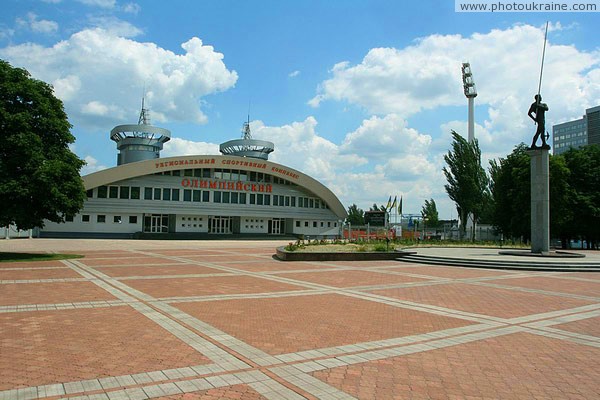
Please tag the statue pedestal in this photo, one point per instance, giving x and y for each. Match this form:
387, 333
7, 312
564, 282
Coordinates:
540, 200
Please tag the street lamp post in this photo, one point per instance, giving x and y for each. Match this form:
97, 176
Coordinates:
470, 92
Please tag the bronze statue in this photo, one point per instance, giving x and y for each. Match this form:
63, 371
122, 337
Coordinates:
539, 109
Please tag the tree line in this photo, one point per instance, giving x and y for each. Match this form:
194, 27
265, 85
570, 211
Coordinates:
502, 196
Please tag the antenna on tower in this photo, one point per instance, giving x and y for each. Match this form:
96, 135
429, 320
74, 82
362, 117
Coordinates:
246, 134
144, 113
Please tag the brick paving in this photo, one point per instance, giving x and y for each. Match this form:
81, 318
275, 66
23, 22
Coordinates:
179, 320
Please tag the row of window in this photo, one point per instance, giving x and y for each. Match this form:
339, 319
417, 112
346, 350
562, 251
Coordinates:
191, 195
315, 224
569, 136
228, 175
573, 143
101, 219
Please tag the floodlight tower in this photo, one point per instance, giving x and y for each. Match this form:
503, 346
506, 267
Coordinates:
470, 92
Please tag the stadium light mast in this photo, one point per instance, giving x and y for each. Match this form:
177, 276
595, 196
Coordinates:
470, 92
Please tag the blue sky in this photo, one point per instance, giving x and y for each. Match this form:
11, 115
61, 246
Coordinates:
359, 94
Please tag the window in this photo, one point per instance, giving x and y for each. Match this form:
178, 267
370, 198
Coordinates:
259, 199
314, 224
166, 194
297, 224
188, 172
287, 201
252, 198
217, 197
329, 224
198, 172
206, 196
133, 219
113, 192
124, 192
311, 203
117, 219
187, 195
206, 173
275, 200
175, 194
196, 195
156, 193
135, 192
85, 218
306, 224
177, 172
293, 201
147, 193
267, 199
242, 198
101, 219
102, 192
90, 193
234, 197
69, 218
226, 197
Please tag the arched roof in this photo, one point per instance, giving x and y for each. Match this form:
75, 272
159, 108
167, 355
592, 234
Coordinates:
148, 167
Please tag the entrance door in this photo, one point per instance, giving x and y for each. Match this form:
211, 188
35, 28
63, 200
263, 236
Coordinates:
219, 225
276, 226
156, 223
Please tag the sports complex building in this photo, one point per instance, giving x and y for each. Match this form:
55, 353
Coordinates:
237, 193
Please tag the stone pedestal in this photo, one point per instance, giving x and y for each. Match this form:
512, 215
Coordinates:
540, 200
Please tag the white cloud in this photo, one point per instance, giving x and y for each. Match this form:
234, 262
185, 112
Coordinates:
34, 24
182, 147
132, 8
106, 73
92, 165
294, 74
505, 63
115, 26
99, 3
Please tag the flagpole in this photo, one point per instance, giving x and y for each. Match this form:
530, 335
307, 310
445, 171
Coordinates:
543, 55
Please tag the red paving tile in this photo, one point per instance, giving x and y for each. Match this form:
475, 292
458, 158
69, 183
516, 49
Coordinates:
449, 272
590, 326
593, 276
51, 293
225, 257
174, 287
268, 265
45, 273
554, 285
349, 278
283, 325
503, 303
187, 252
126, 261
177, 269
31, 264
235, 392
69, 345
518, 366
363, 264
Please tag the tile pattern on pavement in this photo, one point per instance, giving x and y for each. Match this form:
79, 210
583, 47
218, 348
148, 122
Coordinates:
226, 320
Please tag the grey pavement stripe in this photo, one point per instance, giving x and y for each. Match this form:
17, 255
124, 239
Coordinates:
203, 346
562, 333
537, 291
363, 346
63, 306
188, 299
49, 280
554, 314
558, 334
31, 268
563, 319
173, 264
141, 277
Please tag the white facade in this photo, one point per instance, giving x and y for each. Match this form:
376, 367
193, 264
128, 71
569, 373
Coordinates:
203, 195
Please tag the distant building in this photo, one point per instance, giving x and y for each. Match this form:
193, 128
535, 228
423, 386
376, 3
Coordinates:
577, 133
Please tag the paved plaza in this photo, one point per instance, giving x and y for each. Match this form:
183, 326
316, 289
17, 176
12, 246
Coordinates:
184, 320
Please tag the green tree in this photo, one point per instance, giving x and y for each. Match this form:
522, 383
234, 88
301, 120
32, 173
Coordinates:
375, 207
429, 213
467, 180
511, 193
584, 167
356, 216
39, 174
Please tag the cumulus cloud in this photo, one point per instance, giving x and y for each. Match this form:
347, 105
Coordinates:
99, 3
92, 165
132, 8
99, 73
34, 24
183, 147
426, 74
294, 74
